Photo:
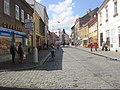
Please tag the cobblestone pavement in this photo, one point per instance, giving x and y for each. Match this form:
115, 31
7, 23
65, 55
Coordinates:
71, 69
7, 64
108, 54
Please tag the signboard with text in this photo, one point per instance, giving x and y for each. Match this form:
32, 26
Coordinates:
28, 24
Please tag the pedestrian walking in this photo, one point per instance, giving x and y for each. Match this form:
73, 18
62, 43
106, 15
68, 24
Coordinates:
103, 45
52, 50
13, 51
96, 45
58, 45
106, 46
21, 53
91, 46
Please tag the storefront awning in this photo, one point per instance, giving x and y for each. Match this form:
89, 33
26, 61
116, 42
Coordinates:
10, 31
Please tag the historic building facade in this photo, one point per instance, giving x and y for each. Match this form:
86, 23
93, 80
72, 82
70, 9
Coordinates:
109, 24
12, 25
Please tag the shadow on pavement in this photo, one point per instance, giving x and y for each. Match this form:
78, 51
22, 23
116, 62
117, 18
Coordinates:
28, 63
53, 63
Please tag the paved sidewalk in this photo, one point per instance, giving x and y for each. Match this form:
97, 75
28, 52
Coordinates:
6, 65
108, 54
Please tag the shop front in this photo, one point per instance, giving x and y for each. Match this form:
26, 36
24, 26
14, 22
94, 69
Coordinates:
9, 36
42, 41
85, 42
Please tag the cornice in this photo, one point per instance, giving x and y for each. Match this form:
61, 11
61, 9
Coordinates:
103, 5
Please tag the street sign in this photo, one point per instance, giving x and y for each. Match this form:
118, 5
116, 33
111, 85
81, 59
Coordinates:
28, 24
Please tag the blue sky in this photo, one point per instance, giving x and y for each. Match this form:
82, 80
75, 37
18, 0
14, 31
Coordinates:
66, 11
80, 6
73, 9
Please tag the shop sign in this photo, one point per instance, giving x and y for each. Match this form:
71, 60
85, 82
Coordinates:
18, 36
28, 24
5, 34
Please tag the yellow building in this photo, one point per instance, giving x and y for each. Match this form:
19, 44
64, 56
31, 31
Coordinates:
37, 26
84, 34
93, 30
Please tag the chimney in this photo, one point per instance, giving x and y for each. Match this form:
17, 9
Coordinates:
89, 9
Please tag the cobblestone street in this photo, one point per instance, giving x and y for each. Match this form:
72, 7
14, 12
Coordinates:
71, 69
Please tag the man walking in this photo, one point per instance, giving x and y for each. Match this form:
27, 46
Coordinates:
13, 51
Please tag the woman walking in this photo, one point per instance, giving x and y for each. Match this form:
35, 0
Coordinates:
91, 45
21, 53
96, 46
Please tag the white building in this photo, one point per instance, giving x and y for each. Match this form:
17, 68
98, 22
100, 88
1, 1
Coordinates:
109, 24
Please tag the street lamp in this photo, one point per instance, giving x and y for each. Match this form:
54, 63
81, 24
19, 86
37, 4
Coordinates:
54, 33
35, 51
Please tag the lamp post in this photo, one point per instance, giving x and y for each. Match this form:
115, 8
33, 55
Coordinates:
54, 33
35, 51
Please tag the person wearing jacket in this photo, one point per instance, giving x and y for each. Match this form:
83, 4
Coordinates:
96, 45
13, 51
91, 45
21, 53
52, 50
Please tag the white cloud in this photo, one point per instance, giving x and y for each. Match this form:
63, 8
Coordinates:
38, 1
63, 13
32, 1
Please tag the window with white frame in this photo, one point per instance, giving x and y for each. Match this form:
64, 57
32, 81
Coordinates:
115, 7
106, 13
113, 35
22, 15
6, 7
17, 12
107, 33
119, 30
101, 18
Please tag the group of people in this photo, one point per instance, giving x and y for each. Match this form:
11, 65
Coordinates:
93, 44
19, 51
104, 46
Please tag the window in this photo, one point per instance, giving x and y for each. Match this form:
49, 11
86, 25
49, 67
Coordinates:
22, 15
119, 29
6, 7
113, 35
17, 12
106, 13
101, 38
100, 19
28, 16
107, 33
115, 9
